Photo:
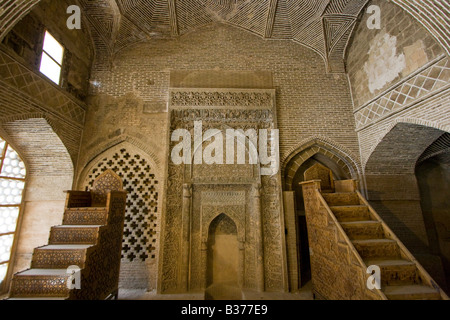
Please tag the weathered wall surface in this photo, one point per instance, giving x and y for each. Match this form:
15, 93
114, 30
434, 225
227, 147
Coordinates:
398, 72
378, 59
400, 81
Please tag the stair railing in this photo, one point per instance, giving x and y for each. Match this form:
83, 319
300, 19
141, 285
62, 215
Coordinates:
343, 235
424, 275
347, 240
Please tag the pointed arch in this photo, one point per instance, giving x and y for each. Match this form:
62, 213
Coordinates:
141, 180
325, 147
63, 136
401, 122
37, 139
87, 159
49, 172
223, 251
221, 216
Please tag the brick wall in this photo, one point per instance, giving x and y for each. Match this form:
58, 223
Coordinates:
400, 85
127, 100
309, 101
49, 173
369, 54
397, 73
43, 121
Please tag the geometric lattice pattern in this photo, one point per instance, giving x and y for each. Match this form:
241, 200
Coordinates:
48, 96
12, 183
141, 215
429, 80
8, 220
5, 252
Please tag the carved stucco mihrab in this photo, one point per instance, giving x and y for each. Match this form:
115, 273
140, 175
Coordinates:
197, 194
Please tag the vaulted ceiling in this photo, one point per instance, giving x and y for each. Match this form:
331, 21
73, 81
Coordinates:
324, 26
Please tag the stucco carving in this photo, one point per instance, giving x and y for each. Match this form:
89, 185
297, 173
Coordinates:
237, 191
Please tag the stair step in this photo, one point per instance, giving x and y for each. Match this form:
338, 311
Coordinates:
40, 283
74, 234
360, 230
395, 272
59, 256
341, 199
411, 292
85, 216
377, 248
351, 213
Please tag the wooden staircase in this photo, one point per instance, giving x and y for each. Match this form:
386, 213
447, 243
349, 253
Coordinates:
89, 239
348, 241
402, 277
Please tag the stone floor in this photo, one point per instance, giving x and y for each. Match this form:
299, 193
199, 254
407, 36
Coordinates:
304, 293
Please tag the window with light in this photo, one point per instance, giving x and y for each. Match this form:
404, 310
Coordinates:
12, 183
52, 58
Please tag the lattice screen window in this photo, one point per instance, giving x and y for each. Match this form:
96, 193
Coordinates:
141, 216
12, 183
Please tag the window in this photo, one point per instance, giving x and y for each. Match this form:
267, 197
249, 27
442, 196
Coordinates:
52, 58
12, 182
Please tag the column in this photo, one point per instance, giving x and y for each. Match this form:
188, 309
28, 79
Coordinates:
186, 236
259, 236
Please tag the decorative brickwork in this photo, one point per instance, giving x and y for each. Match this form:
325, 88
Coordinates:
300, 85
430, 80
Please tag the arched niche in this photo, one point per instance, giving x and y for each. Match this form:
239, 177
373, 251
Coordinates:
311, 152
223, 252
141, 237
395, 192
433, 177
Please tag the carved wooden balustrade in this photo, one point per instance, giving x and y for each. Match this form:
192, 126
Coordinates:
89, 242
346, 236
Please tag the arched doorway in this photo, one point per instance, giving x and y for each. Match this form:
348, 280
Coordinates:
297, 233
222, 259
406, 185
433, 177
338, 174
